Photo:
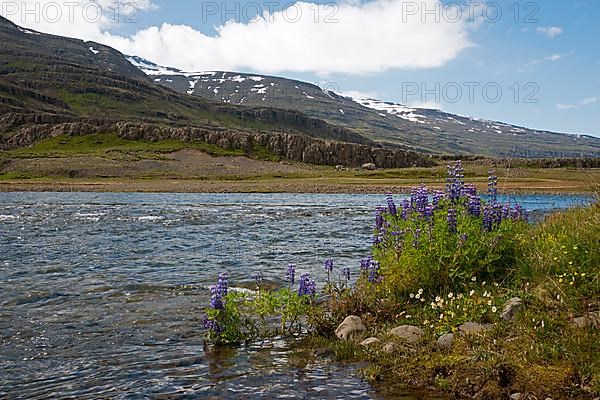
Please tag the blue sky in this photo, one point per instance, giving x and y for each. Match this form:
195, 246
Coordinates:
545, 60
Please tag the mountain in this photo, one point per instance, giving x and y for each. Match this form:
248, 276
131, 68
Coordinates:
52, 86
418, 129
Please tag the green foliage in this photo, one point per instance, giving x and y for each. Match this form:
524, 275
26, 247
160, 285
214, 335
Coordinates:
110, 144
562, 253
419, 253
260, 314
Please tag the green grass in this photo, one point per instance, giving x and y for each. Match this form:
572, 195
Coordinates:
541, 353
6, 176
110, 145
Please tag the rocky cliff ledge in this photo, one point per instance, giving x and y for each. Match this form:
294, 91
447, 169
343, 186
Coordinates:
290, 146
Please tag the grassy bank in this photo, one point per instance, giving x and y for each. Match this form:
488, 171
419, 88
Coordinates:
459, 296
108, 163
542, 353
550, 349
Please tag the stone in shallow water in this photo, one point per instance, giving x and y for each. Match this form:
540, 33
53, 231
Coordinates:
470, 328
409, 333
370, 342
446, 341
351, 328
511, 308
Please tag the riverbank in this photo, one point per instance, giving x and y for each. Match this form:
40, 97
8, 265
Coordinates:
51, 167
531, 332
460, 295
583, 181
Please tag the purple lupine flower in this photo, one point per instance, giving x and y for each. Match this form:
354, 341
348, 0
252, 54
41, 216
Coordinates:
290, 275
365, 263
497, 213
518, 213
455, 180
218, 292
212, 325
451, 220
428, 213
488, 218
463, 239
474, 206
421, 198
377, 239
374, 276
379, 219
505, 211
328, 265
346, 273
416, 237
391, 205
405, 209
493, 186
437, 196
308, 286
469, 190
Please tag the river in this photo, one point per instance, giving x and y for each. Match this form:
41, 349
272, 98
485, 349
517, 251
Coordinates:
102, 293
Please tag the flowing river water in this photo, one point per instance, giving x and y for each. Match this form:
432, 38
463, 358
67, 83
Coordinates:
101, 295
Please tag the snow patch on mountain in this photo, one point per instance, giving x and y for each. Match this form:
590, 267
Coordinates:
398, 110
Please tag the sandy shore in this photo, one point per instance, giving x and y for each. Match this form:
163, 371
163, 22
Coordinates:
262, 186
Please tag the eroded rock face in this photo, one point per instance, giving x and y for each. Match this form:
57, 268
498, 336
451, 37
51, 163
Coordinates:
351, 328
408, 333
294, 147
511, 308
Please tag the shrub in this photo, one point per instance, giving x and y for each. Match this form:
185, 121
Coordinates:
438, 241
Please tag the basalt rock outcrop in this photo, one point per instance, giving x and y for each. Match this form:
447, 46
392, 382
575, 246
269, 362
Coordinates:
290, 146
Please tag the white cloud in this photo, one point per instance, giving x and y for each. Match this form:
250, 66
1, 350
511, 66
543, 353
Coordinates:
584, 102
550, 31
589, 100
552, 58
368, 37
566, 106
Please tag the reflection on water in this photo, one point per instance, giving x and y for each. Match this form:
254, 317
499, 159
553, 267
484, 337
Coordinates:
102, 294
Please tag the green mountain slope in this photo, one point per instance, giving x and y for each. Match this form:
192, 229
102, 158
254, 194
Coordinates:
424, 130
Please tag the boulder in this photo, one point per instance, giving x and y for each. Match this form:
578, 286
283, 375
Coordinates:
471, 328
369, 166
390, 347
370, 342
446, 341
511, 308
408, 333
351, 328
